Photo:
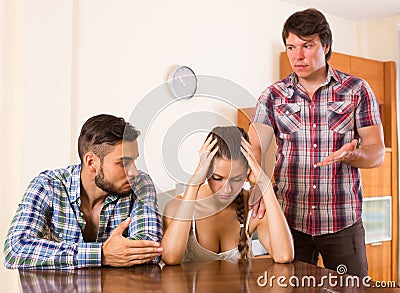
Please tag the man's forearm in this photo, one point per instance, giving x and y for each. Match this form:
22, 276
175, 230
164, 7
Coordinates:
36, 253
260, 137
370, 156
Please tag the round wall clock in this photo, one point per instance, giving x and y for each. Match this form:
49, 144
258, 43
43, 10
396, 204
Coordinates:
182, 82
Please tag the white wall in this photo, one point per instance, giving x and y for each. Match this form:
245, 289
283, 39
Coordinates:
10, 154
128, 48
36, 99
380, 38
64, 61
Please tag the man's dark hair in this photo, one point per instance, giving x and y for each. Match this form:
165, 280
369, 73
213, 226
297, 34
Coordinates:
307, 23
101, 132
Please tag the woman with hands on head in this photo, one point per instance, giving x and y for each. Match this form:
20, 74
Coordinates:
211, 220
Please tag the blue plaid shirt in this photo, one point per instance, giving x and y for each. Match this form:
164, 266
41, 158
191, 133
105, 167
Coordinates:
46, 231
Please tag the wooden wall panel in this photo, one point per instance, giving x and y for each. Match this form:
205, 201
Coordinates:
285, 67
378, 181
379, 254
391, 138
373, 72
340, 62
389, 117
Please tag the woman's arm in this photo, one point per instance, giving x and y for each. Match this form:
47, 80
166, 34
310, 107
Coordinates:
179, 211
177, 222
273, 230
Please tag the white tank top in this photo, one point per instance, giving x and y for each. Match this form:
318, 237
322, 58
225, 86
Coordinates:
196, 253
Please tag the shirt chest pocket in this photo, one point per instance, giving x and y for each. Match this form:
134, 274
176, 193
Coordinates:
288, 117
341, 116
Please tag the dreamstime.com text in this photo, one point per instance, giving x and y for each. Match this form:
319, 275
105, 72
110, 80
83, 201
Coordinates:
330, 280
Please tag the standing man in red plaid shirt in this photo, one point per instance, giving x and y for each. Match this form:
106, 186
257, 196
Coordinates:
327, 125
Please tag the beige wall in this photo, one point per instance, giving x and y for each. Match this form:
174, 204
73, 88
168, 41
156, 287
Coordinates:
379, 39
9, 179
64, 61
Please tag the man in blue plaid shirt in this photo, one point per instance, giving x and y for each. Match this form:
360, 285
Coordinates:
100, 212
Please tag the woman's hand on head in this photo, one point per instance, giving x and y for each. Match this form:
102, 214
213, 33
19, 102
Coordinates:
206, 153
255, 168
257, 175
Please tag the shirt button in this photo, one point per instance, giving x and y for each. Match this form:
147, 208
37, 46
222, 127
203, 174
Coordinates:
314, 186
340, 111
315, 166
315, 145
314, 125
60, 235
287, 112
313, 207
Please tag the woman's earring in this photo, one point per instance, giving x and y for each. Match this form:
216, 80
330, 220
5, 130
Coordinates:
246, 185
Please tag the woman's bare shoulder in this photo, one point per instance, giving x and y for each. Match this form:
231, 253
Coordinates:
172, 205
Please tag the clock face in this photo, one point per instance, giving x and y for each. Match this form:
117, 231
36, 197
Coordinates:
183, 82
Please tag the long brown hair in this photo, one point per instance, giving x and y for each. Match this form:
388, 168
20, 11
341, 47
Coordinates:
229, 142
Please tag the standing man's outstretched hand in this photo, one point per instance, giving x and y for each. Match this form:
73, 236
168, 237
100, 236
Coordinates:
344, 154
119, 251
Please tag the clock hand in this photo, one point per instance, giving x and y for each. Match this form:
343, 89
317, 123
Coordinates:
181, 80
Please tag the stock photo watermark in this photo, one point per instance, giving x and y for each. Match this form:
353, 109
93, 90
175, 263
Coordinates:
173, 129
331, 280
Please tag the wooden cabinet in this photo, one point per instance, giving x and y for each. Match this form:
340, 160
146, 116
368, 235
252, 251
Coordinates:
378, 181
383, 181
379, 256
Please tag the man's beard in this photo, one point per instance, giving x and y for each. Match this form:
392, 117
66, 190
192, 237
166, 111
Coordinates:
107, 186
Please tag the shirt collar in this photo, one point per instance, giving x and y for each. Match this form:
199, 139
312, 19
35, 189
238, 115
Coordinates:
331, 75
75, 193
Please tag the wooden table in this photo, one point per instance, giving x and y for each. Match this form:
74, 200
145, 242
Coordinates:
257, 275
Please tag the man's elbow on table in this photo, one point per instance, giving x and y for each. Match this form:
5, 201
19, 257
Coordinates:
11, 260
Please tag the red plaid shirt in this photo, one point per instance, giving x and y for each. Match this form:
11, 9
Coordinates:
317, 200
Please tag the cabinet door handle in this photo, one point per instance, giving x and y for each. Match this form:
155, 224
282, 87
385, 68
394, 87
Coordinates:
376, 244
